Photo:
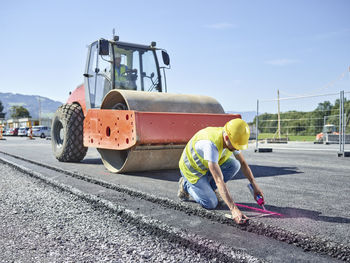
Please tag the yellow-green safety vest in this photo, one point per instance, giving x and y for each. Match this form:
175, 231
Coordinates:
119, 75
191, 164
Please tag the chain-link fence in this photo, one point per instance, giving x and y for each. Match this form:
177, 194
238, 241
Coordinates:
346, 123
308, 122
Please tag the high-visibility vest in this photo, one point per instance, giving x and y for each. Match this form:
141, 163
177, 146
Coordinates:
191, 164
119, 74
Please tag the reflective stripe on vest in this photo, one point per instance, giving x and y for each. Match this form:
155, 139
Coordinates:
195, 157
188, 165
192, 165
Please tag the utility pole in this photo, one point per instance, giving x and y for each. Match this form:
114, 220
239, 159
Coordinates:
279, 118
257, 127
39, 110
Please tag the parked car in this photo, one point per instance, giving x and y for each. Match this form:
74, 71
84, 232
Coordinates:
12, 132
7, 132
23, 131
41, 131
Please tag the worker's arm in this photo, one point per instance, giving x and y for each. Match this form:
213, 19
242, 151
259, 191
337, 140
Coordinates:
215, 170
248, 173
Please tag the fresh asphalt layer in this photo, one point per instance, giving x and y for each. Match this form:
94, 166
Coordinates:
309, 187
41, 223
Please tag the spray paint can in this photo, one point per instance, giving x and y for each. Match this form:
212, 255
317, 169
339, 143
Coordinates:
259, 199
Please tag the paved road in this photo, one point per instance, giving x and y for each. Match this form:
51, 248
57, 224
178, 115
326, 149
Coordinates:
40, 223
308, 187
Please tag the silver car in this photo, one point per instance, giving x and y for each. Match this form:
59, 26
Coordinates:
41, 131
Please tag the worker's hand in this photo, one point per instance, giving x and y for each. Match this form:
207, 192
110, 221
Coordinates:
257, 191
238, 216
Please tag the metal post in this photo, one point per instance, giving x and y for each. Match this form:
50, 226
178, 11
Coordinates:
344, 129
39, 100
257, 126
340, 124
342, 113
279, 119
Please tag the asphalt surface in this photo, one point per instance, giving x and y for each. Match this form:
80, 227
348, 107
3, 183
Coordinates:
40, 223
309, 187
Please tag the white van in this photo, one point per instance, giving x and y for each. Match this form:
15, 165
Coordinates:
23, 131
41, 131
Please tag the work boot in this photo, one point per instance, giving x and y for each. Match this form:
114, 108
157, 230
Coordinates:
221, 201
182, 194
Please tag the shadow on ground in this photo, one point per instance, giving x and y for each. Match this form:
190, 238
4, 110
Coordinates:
266, 171
258, 171
292, 212
92, 161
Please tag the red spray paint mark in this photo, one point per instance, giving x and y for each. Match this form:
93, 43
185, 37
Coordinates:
259, 210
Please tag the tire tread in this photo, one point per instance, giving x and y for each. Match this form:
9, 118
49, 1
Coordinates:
72, 118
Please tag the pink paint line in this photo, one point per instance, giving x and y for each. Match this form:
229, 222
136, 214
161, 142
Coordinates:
259, 210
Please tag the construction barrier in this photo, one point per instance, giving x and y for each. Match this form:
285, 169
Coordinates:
345, 151
31, 134
1, 137
334, 139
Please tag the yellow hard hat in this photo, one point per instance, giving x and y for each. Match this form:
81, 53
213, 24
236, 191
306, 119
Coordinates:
238, 133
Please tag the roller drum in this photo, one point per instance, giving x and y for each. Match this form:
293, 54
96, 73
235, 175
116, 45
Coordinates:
161, 102
159, 157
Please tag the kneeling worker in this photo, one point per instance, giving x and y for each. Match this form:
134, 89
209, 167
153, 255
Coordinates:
206, 165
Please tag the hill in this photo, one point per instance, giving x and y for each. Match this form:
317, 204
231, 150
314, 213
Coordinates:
31, 103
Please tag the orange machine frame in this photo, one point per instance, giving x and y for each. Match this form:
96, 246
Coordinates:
123, 129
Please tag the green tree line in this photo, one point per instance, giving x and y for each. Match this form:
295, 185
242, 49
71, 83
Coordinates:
2, 114
15, 111
305, 123
19, 112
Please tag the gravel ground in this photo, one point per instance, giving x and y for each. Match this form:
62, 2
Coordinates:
40, 223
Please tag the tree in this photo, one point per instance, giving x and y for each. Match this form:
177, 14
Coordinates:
2, 114
325, 106
19, 112
305, 123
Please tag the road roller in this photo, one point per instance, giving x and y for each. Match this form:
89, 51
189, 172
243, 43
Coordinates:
124, 110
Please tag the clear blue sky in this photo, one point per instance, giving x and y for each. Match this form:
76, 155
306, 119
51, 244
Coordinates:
234, 51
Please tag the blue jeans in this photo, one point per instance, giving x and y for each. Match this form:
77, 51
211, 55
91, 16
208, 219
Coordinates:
203, 191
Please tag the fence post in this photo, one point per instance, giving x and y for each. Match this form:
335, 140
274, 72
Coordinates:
340, 127
344, 129
341, 124
343, 120
257, 126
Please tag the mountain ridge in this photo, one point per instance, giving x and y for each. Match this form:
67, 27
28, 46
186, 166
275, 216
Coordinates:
31, 103
49, 106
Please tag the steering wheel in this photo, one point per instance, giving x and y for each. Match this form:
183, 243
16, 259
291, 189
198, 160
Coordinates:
130, 74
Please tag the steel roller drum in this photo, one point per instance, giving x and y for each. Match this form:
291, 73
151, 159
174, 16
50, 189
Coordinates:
151, 157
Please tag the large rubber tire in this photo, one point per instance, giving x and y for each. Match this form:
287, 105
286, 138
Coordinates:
67, 133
